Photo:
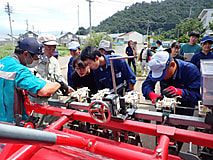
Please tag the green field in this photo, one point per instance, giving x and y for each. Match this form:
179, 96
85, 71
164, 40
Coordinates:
7, 49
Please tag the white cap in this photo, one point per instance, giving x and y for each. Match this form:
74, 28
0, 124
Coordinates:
158, 65
73, 45
47, 39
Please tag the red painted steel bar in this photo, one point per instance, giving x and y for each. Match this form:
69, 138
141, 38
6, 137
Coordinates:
197, 138
161, 150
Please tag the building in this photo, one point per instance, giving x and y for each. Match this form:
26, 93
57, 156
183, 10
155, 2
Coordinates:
134, 36
4, 38
206, 17
29, 34
66, 38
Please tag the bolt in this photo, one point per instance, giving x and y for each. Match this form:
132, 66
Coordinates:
159, 150
90, 144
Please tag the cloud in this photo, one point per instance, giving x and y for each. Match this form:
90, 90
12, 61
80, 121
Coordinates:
62, 15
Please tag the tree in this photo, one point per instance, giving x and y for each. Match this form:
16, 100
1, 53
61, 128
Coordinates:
95, 39
186, 26
82, 31
183, 39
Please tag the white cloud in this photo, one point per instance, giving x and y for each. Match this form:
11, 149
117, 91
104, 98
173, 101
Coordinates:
62, 15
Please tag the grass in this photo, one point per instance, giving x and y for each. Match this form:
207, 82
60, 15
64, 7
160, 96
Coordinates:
7, 49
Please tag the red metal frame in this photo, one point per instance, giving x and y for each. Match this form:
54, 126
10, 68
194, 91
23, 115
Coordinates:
102, 146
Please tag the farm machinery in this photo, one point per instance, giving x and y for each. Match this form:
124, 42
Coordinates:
105, 126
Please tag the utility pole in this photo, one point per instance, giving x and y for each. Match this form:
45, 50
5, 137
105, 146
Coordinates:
147, 31
8, 10
78, 22
90, 27
190, 11
27, 24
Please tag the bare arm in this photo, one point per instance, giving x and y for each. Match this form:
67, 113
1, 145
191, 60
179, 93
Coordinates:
49, 88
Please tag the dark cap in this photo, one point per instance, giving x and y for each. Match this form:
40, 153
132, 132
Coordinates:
207, 38
106, 45
159, 42
32, 45
56, 53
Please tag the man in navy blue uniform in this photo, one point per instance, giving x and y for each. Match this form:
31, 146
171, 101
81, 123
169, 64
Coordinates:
205, 53
177, 78
102, 69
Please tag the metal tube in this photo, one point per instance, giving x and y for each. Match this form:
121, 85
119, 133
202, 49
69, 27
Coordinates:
113, 77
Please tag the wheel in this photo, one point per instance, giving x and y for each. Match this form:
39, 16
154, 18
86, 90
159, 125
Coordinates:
100, 111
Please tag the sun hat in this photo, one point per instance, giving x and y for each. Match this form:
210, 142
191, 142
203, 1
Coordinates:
106, 45
47, 39
158, 65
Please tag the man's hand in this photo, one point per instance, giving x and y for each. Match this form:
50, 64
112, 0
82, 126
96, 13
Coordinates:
154, 97
64, 87
171, 92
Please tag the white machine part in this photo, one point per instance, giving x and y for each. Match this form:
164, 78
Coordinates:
80, 94
202, 109
132, 97
100, 94
167, 104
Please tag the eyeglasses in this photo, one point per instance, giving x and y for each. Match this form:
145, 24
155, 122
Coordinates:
78, 68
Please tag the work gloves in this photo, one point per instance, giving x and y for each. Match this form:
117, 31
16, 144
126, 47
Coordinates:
171, 92
154, 97
64, 87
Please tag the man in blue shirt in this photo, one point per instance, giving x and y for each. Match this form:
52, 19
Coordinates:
205, 53
177, 78
102, 68
75, 50
14, 77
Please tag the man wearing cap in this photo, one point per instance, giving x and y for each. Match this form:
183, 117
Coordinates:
101, 66
177, 78
48, 68
56, 54
14, 77
190, 47
144, 57
75, 50
105, 47
159, 45
205, 53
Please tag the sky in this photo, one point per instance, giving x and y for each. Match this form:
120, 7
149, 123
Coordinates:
60, 15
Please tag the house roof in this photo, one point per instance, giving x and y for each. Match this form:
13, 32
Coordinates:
5, 37
203, 12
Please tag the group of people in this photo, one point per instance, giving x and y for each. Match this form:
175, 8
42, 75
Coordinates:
34, 68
